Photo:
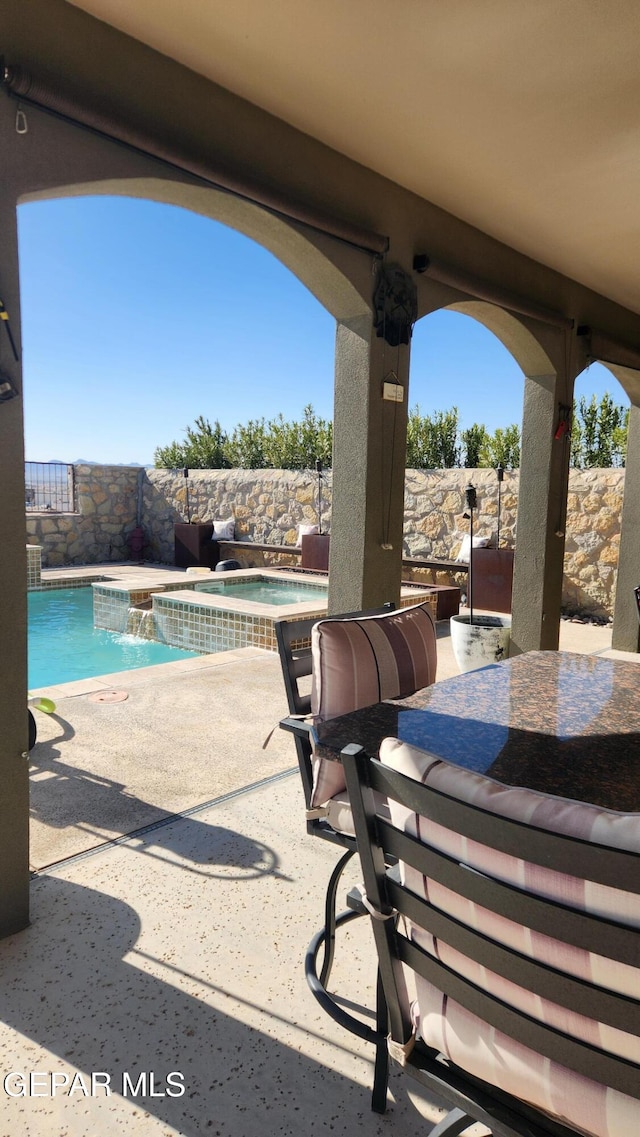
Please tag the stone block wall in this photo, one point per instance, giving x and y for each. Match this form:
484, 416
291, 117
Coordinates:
434, 504
268, 506
434, 525
98, 532
594, 509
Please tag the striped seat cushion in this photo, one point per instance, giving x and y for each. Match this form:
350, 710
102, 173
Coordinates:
359, 662
466, 1040
339, 814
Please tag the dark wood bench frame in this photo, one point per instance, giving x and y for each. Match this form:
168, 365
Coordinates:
472, 1100
296, 551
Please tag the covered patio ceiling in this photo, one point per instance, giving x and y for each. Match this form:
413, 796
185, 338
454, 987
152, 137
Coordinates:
521, 119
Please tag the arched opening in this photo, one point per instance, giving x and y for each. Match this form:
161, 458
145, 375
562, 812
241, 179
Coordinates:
93, 377
618, 533
459, 361
139, 317
469, 362
541, 482
321, 263
596, 490
600, 413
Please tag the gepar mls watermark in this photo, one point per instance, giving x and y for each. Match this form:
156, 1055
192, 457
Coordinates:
57, 1083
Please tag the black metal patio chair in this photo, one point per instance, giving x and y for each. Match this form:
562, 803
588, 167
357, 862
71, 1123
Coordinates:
294, 646
521, 939
327, 805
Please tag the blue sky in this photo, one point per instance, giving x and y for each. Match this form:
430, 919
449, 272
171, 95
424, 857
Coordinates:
137, 317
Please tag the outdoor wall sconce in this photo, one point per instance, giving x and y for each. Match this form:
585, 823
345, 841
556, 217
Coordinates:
7, 388
4, 316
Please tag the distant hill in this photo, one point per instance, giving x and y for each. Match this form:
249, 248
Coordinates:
90, 462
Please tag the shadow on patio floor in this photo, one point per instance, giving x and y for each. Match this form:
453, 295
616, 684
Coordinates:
140, 964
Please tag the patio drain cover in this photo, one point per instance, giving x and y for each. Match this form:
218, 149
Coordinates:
108, 697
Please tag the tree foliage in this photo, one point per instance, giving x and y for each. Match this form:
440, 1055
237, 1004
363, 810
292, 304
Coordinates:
257, 444
474, 446
247, 446
434, 442
296, 445
204, 448
503, 448
599, 433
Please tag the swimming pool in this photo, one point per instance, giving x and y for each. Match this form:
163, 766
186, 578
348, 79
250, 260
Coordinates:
198, 612
64, 645
264, 591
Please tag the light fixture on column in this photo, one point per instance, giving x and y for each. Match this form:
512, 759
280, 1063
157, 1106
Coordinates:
8, 389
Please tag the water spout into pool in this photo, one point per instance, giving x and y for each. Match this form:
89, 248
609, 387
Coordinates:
141, 623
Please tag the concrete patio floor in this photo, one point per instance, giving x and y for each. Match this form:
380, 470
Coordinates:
181, 951
180, 948
187, 733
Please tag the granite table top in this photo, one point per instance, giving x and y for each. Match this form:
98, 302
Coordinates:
552, 721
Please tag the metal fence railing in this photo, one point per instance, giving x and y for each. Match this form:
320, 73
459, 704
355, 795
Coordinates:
49, 487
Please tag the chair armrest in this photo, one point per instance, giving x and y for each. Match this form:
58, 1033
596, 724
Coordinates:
299, 727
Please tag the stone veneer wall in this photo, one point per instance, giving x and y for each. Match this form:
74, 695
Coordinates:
434, 525
106, 503
268, 506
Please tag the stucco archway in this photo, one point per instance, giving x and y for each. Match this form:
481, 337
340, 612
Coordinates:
340, 278
53, 160
512, 332
327, 267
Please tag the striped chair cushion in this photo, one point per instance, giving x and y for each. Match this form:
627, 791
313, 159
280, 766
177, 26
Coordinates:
339, 814
466, 1040
359, 662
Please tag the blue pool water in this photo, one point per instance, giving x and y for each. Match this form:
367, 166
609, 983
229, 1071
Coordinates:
64, 645
267, 591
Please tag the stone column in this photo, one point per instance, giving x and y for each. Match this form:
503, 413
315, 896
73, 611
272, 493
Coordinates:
542, 507
625, 617
14, 784
369, 448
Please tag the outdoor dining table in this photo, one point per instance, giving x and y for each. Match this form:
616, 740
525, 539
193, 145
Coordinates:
551, 721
